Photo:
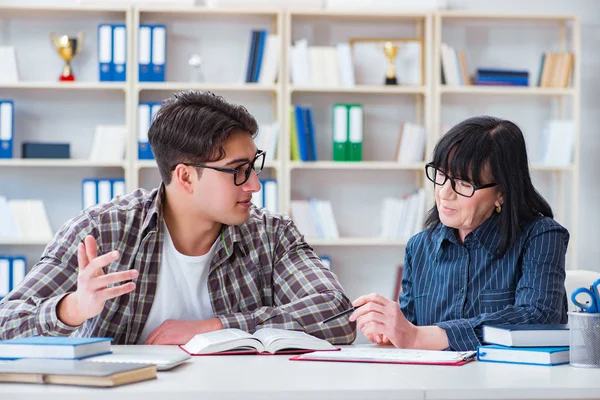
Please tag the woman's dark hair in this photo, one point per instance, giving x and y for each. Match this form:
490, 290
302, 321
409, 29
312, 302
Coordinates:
192, 127
498, 146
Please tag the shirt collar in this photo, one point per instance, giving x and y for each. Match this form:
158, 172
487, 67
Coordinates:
487, 234
154, 213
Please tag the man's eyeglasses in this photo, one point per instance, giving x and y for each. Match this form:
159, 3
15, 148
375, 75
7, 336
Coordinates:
242, 172
463, 188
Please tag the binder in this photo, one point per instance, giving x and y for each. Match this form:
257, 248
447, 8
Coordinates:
18, 271
118, 187
340, 133
144, 117
257, 197
301, 133
159, 52
310, 126
5, 276
270, 200
294, 146
105, 56
262, 37
6, 128
89, 193
252, 52
355, 132
145, 53
119, 36
104, 191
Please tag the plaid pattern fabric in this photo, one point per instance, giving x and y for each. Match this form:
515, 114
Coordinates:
263, 274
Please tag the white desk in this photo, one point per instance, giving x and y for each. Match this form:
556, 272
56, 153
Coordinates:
275, 377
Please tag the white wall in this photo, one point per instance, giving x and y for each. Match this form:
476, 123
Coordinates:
589, 11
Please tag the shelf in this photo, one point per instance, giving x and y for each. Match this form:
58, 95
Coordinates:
355, 241
499, 16
152, 164
24, 241
217, 87
59, 163
362, 14
367, 89
61, 9
359, 165
65, 85
507, 90
552, 168
174, 9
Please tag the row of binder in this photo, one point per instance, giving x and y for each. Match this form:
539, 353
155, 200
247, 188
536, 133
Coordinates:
12, 272
267, 197
347, 132
146, 113
112, 52
100, 191
6, 128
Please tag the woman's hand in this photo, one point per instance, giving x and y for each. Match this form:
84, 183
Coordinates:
382, 322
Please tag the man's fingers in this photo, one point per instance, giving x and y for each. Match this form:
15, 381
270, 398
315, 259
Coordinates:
90, 247
102, 261
82, 259
104, 280
111, 293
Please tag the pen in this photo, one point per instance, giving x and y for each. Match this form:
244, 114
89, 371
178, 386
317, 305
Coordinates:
336, 316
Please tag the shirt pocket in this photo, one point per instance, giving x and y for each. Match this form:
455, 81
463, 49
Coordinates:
496, 299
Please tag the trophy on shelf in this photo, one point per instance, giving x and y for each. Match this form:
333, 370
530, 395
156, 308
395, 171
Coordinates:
391, 51
67, 48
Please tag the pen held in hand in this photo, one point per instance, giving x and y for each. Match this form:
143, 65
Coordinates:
338, 315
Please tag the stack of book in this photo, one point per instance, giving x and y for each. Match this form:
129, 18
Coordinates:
501, 77
525, 344
315, 218
24, 219
263, 55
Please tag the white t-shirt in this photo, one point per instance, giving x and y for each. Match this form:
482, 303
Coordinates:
182, 287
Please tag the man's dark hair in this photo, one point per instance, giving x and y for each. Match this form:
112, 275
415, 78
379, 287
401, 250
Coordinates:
484, 141
192, 127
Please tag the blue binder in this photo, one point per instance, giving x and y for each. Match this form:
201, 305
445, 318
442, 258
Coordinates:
302, 133
119, 53
144, 122
262, 38
105, 52
6, 128
159, 52
145, 53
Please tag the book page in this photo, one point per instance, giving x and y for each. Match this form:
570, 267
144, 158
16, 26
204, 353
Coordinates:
223, 340
279, 339
391, 354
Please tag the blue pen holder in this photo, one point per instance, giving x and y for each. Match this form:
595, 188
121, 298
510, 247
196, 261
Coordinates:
584, 339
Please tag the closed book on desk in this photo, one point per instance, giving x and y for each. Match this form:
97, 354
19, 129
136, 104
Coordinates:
263, 341
527, 335
524, 355
74, 372
390, 355
54, 347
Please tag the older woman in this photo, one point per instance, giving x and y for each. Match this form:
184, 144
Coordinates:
491, 253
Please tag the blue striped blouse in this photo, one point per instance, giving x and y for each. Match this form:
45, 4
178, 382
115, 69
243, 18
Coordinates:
461, 287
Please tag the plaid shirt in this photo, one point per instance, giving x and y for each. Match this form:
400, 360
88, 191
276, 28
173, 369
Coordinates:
263, 274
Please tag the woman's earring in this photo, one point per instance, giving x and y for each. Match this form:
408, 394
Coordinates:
498, 208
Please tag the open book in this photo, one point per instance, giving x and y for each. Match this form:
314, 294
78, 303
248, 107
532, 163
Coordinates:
266, 340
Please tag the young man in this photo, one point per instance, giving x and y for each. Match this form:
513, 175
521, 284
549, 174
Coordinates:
190, 257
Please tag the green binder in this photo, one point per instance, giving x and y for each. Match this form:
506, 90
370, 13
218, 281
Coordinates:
340, 133
355, 132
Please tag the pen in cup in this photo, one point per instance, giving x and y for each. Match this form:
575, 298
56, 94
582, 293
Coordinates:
338, 315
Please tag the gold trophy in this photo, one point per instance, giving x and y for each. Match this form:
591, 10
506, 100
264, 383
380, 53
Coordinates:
391, 51
67, 47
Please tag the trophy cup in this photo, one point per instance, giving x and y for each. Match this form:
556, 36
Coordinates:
391, 51
67, 48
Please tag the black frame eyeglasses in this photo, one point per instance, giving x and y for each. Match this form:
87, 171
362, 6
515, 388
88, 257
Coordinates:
255, 165
465, 187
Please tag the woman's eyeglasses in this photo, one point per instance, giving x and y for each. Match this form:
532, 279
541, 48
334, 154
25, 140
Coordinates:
461, 187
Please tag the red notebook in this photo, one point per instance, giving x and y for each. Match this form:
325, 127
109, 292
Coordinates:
390, 355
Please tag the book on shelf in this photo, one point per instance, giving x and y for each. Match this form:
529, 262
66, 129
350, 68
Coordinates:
403, 218
314, 218
27, 220
7, 126
53, 347
267, 195
267, 140
558, 142
12, 272
101, 191
9, 73
263, 341
75, 372
523, 355
556, 69
108, 144
390, 355
527, 335
411, 143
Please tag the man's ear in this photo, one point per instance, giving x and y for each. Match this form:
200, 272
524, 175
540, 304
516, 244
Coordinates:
184, 177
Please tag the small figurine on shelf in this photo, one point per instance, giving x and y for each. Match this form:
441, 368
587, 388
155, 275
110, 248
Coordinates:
195, 62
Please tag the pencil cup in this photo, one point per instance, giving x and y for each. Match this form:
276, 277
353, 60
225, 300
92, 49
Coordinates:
584, 339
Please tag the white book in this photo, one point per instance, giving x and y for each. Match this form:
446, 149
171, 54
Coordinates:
104, 191
270, 62
90, 188
331, 66
271, 200
345, 65
19, 270
39, 224
20, 213
316, 62
109, 143
300, 64
559, 141
327, 210
118, 188
411, 216
9, 72
8, 228
302, 218
266, 340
